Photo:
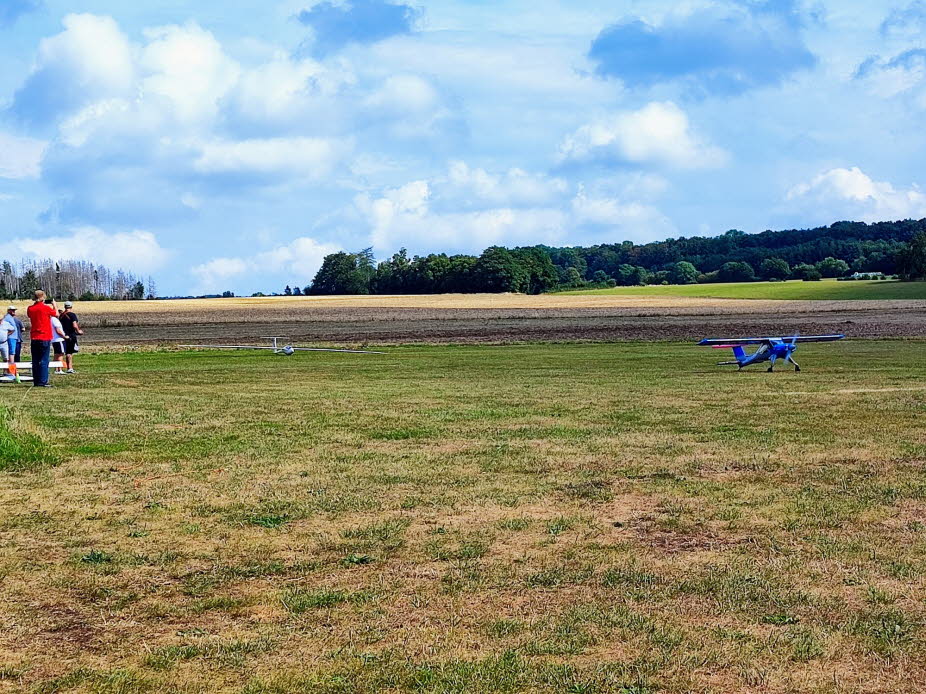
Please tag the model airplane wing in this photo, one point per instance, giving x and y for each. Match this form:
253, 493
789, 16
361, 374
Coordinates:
819, 338
737, 341
345, 351
280, 349
740, 341
226, 347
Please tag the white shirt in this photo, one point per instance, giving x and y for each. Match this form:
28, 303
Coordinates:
57, 331
7, 328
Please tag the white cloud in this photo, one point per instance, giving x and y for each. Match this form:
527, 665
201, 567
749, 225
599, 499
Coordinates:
91, 59
659, 134
297, 156
851, 194
297, 261
138, 251
186, 66
904, 75
20, 157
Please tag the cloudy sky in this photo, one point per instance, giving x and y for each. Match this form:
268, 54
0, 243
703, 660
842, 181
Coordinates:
221, 145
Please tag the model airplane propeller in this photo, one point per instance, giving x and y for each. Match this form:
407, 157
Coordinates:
286, 350
771, 349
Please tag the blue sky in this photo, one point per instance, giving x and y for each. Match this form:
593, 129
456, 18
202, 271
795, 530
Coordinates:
221, 145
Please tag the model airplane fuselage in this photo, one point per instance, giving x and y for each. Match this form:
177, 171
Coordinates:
284, 350
770, 349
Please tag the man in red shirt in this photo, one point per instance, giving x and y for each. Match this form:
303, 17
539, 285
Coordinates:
40, 315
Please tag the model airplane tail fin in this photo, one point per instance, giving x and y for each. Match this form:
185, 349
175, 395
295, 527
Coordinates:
739, 352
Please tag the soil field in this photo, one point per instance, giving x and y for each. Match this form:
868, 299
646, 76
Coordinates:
487, 318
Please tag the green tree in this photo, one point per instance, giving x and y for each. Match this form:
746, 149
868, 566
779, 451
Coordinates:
911, 261
831, 267
640, 276
342, 273
774, 269
288, 291
683, 272
498, 270
736, 271
28, 283
626, 275
541, 272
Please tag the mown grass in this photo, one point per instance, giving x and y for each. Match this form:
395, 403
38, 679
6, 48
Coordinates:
552, 518
22, 450
790, 290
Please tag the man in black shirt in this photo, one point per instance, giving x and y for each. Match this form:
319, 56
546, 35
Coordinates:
71, 330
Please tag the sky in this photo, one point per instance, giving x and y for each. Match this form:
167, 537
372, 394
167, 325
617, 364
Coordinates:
231, 146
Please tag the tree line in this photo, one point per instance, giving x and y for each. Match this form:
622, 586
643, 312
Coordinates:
839, 250
72, 280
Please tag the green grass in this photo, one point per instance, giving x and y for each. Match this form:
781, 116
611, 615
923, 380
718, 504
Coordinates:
792, 289
22, 450
534, 518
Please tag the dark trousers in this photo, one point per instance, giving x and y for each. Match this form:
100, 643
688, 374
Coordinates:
40, 350
19, 350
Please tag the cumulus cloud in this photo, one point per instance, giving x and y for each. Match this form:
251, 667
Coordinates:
138, 251
186, 66
90, 60
11, 10
20, 157
176, 114
851, 194
471, 208
336, 24
724, 48
659, 134
297, 261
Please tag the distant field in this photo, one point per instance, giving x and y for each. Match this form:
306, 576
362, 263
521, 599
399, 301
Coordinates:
793, 290
542, 518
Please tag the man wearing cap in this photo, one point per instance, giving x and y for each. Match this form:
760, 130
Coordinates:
16, 341
71, 330
40, 315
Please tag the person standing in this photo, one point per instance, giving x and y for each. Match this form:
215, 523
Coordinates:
57, 341
7, 351
71, 330
16, 341
40, 331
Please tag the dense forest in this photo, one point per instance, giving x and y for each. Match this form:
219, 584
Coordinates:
71, 279
841, 250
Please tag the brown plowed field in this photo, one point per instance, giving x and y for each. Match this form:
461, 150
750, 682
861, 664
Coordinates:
487, 318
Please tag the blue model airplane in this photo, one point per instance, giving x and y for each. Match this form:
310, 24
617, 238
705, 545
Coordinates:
771, 349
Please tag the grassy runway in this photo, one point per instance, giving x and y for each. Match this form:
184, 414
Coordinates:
540, 518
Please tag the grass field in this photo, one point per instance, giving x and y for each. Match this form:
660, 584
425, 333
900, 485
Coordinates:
793, 290
542, 518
